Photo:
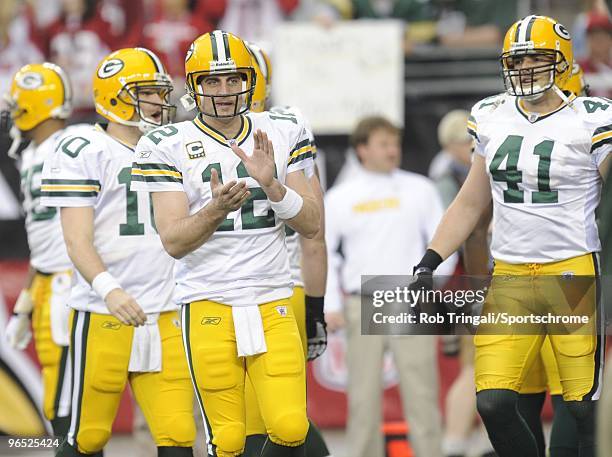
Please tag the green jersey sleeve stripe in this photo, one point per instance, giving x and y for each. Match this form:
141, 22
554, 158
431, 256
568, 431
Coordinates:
473, 133
155, 166
300, 145
602, 129
601, 143
149, 178
71, 182
301, 157
67, 193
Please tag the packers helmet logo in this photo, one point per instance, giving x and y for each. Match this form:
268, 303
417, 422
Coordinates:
189, 52
30, 81
562, 31
195, 150
111, 325
110, 68
210, 321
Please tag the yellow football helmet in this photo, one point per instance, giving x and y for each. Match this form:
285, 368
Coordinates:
220, 53
39, 92
575, 84
263, 85
549, 44
119, 79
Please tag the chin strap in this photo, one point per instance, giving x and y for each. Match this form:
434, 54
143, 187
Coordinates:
144, 126
564, 97
188, 102
15, 134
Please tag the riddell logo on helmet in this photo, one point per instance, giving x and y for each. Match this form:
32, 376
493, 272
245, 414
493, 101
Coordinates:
522, 46
223, 65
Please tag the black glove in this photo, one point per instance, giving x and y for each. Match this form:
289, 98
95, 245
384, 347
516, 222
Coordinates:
316, 328
423, 273
5, 122
451, 345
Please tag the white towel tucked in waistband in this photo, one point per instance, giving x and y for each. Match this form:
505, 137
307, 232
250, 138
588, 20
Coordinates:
60, 311
249, 331
146, 347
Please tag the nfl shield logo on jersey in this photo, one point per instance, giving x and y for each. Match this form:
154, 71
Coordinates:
282, 310
195, 150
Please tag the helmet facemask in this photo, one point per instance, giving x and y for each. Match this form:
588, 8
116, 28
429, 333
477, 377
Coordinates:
241, 99
531, 83
6, 122
13, 109
8, 128
130, 94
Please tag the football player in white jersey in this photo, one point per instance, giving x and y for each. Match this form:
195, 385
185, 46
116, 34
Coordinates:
223, 186
40, 101
125, 325
544, 374
540, 156
308, 267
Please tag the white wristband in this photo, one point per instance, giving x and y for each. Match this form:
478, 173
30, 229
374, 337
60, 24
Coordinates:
103, 283
24, 303
289, 206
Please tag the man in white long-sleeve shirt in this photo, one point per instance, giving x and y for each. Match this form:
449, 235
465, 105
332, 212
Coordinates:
378, 221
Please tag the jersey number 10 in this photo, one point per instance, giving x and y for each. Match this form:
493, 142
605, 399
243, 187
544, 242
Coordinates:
132, 226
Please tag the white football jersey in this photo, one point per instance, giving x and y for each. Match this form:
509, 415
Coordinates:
292, 238
544, 175
43, 226
90, 168
245, 261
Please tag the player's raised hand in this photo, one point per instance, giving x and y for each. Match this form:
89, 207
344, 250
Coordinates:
227, 197
123, 306
260, 164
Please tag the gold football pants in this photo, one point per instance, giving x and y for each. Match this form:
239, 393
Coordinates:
101, 347
52, 357
254, 422
278, 375
544, 374
502, 361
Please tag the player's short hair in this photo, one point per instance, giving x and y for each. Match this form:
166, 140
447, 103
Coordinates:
453, 128
367, 125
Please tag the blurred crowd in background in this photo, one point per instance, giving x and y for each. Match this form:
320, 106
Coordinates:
77, 33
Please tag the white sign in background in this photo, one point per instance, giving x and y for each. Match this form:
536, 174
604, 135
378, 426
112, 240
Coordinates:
338, 75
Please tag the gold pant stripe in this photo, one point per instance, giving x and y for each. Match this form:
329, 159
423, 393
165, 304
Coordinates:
64, 376
79, 332
595, 391
185, 322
